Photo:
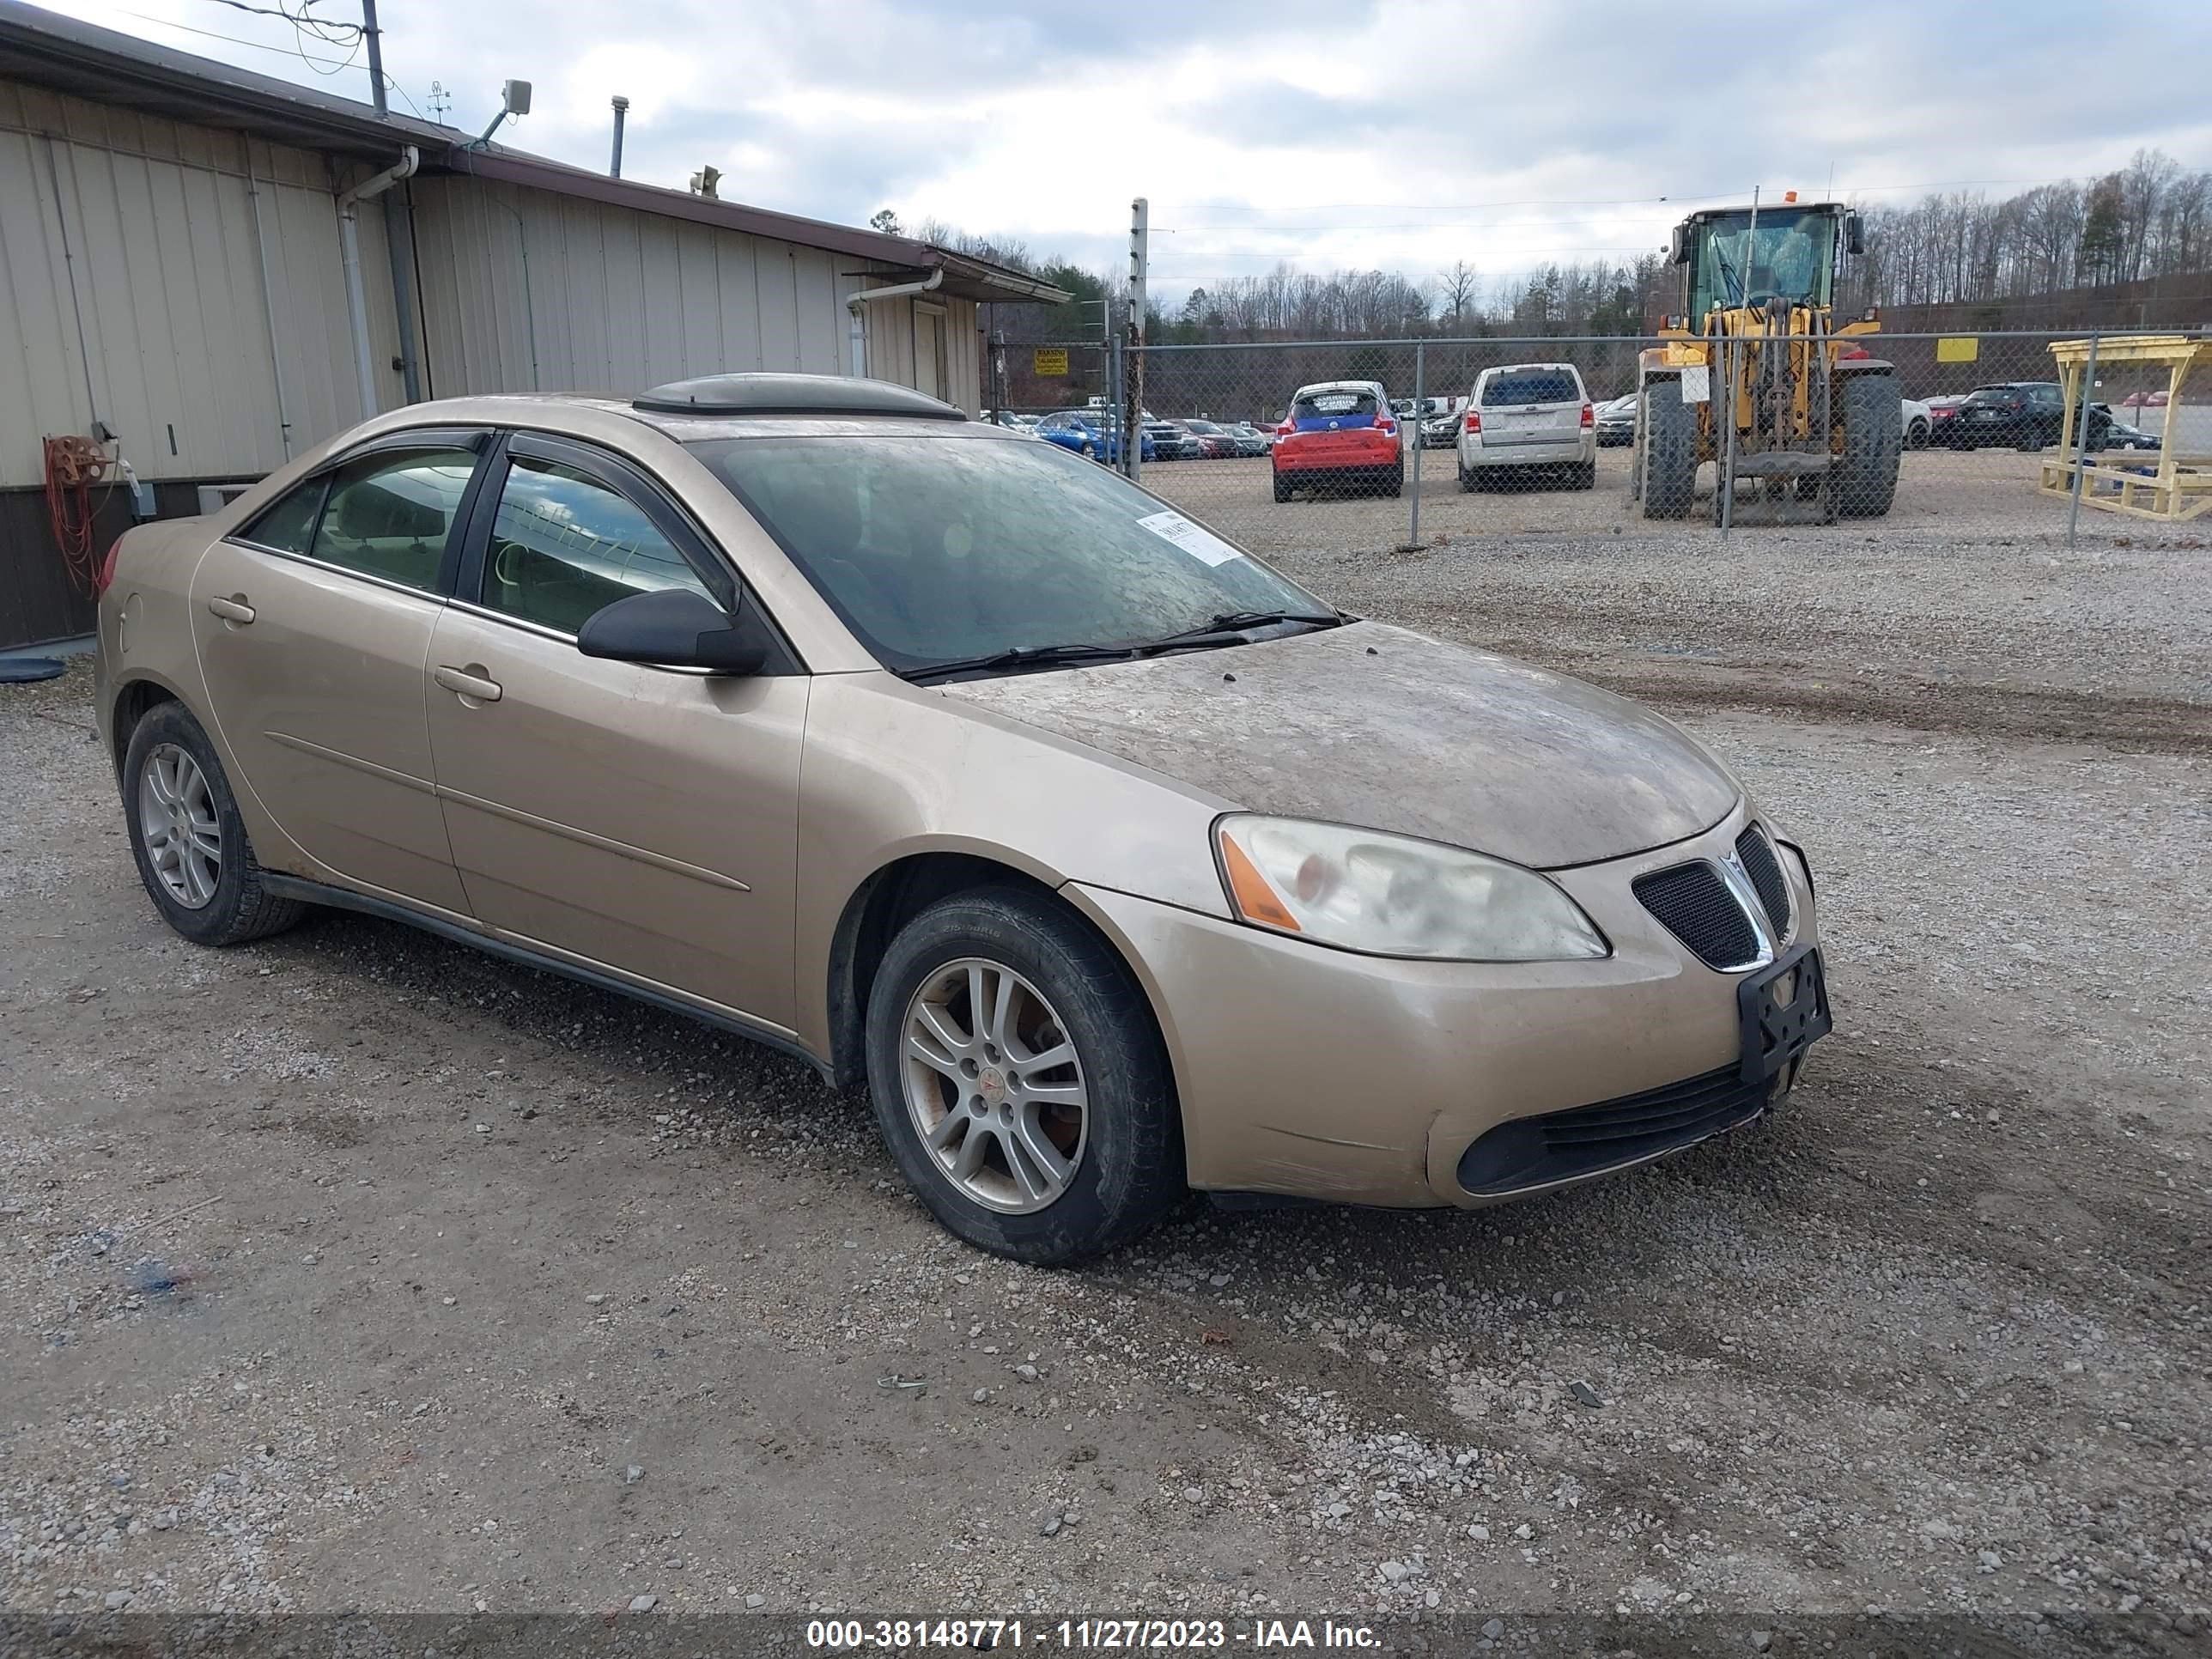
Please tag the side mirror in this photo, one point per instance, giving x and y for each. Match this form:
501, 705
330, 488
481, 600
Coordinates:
674, 627
1676, 250
1854, 234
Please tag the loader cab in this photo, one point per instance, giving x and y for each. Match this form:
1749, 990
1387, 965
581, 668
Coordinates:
1791, 254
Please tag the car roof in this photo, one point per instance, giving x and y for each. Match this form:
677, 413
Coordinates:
1337, 386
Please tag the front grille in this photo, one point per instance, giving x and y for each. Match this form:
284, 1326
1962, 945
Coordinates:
1695, 905
1535, 1151
1757, 855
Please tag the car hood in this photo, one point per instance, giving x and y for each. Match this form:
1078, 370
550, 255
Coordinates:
1389, 729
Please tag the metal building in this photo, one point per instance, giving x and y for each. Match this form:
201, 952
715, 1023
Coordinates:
173, 271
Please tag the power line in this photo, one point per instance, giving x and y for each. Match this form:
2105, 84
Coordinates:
298, 20
1676, 199
292, 51
233, 40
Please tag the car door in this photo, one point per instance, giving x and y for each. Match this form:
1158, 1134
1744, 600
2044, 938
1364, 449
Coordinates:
313, 623
638, 819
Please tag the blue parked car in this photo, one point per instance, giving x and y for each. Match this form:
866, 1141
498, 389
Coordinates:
1090, 433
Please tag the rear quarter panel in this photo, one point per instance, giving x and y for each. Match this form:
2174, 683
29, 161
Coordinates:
143, 630
144, 636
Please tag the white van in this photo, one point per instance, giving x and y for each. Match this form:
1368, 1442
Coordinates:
1527, 418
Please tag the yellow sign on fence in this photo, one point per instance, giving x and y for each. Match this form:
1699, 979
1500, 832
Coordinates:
1052, 360
1957, 349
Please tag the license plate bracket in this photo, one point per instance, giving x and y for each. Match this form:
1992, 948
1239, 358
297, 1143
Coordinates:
1777, 1032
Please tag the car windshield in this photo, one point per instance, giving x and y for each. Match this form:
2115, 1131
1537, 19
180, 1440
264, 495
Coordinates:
936, 550
1538, 385
1202, 426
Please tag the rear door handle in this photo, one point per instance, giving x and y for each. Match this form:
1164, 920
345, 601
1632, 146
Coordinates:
462, 682
235, 610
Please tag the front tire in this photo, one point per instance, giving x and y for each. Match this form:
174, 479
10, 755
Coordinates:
187, 839
1019, 1081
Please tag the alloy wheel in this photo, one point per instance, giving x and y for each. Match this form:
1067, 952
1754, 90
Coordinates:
177, 819
993, 1085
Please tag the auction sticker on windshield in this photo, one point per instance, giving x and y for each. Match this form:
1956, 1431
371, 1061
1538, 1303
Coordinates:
1194, 539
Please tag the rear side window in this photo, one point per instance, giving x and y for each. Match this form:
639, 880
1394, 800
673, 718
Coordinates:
1540, 386
289, 525
388, 514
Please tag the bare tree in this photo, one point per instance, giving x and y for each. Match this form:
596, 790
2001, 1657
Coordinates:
1456, 286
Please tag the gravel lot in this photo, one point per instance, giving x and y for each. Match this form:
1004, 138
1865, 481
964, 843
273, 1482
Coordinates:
1942, 494
354, 1269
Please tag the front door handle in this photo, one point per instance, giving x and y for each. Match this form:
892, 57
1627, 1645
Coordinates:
468, 682
236, 611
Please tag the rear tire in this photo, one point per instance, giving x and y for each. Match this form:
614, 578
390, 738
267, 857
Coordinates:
1670, 452
1465, 477
1282, 489
1584, 475
187, 839
1394, 479
1873, 436
1916, 436
1118, 1153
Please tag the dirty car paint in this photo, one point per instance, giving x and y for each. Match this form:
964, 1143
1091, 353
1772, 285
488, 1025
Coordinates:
1386, 728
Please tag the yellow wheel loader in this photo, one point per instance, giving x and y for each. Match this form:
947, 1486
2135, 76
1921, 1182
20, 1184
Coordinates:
1753, 375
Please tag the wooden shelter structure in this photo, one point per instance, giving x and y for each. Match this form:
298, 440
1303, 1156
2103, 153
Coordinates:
2179, 486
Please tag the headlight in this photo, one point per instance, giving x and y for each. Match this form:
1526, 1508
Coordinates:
1393, 895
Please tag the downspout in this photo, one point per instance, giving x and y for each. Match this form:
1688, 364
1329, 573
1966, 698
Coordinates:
350, 203
399, 242
857, 302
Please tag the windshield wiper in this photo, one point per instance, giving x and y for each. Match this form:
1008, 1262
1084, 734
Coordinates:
1020, 656
1233, 625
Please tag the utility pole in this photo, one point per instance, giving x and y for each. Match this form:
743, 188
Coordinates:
373, 38
1132, 432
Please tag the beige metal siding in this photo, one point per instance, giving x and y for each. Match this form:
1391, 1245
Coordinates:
163, 271
617, 299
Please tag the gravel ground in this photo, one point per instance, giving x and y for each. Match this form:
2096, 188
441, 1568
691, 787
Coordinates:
354, 1269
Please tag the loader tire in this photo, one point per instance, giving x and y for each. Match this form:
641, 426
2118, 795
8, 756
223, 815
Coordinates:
1866, 472
1670, 451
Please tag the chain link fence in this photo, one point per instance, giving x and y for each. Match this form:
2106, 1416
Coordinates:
1415, 442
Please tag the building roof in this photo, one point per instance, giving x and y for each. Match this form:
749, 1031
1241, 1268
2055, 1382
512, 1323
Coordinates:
104, 66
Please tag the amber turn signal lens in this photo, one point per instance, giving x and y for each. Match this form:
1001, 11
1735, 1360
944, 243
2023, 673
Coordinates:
1256, 900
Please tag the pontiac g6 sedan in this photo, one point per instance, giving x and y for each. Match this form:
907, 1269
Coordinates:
1111, 862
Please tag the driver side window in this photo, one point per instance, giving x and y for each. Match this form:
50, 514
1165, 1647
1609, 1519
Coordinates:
564, 546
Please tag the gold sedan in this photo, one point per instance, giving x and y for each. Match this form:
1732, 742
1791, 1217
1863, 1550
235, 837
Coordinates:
1110, 862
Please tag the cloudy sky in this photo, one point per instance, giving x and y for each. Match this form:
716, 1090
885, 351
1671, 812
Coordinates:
1405, 134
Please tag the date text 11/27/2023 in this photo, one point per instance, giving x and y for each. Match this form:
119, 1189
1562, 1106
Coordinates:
1138, 1635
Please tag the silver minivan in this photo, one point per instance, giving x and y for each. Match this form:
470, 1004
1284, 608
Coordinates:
1524, 422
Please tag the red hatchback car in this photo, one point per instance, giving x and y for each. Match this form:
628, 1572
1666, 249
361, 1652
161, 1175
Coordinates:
1339, 438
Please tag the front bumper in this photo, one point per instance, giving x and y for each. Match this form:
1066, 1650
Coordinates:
1320, 1073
